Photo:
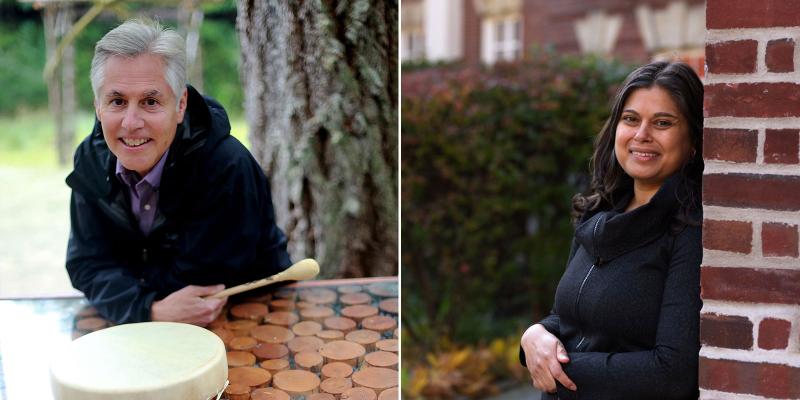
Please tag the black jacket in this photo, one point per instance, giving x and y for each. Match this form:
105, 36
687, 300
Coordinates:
627, 308
214, 221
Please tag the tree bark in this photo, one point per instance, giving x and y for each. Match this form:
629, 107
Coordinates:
61, 84
320, 83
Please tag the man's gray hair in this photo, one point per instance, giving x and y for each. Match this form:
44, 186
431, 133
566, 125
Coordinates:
142, 36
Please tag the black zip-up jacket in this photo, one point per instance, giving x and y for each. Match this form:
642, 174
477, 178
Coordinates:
627, 308
214, 222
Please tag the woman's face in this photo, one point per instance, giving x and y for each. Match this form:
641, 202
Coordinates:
652, 139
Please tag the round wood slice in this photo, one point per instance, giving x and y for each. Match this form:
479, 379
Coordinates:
306, 328
296, 382
359, 393
91, 324
390, 394
243, 343
254, 311
316, 313
220, 321
275, 365
389, 306
392, 345
335, 386
337, 369
241, 327
272, 334
383, 289
309, 361
319, 296
224, 335
352, 299
349, 289
304, 304
285, 293
120, 363
282, 318
339, 324
304, 343
359, 312
330, 335
281, 305
383, 359
364, 337
379, 323
236, 391
249, 376
268, 394
240, 359
271, 351
376, 378
341, 350
321, 396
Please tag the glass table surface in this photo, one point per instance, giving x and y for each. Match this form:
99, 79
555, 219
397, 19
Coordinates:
32, 330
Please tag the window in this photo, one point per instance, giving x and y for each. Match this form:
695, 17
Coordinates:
501, 39
413, 46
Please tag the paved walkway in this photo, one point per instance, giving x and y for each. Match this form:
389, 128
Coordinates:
34, 227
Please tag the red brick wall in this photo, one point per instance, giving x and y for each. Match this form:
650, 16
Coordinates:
750, 326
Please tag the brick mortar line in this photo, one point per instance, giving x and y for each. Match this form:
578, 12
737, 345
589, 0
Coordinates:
726, 259
752, 123
709, 394
757, 77
714, 36
750, 214
714, 167
761, 138
754, 356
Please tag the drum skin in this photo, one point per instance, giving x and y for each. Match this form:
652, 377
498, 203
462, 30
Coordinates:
149, 360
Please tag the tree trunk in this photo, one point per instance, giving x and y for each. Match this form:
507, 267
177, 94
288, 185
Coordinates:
190, 19
61, 84
320, 83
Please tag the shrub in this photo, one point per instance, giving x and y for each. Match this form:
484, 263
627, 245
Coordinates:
491, 158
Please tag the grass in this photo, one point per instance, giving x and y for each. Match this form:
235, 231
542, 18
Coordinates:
27, 138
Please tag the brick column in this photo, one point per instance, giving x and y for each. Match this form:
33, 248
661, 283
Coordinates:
750, 325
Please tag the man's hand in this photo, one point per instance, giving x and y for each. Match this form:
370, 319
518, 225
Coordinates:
187, 305
544, 354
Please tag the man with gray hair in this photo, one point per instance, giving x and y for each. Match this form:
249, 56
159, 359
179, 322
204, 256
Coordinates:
167, 207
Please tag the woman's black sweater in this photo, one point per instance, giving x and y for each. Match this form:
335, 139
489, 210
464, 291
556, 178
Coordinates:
627, 308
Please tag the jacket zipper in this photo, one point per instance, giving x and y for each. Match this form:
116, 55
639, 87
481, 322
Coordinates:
585, 278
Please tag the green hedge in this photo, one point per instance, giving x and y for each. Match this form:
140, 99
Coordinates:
491, 159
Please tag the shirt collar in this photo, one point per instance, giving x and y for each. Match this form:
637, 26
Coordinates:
131, 178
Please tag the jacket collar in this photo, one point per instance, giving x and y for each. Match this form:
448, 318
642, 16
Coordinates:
609, 234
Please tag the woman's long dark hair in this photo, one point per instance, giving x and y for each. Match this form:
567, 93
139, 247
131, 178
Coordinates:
609, 180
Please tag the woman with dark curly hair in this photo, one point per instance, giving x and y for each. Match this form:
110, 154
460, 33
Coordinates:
625, 320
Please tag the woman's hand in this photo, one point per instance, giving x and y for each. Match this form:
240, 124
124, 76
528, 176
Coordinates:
544, 355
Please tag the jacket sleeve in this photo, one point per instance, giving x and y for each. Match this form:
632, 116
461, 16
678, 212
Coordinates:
667, 371
109, 286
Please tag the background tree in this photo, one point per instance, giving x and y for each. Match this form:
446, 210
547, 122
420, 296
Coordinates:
320, 88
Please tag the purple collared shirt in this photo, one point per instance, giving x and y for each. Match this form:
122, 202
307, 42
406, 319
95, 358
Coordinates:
143, 192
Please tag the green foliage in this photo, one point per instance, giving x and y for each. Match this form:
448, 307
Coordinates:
491, 159
22, 59
22, 56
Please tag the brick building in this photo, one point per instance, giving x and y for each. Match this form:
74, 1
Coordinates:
490, 30
750, 326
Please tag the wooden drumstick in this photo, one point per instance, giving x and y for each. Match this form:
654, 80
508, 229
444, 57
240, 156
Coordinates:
301, 270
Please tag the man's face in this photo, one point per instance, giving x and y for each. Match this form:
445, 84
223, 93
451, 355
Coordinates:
136, 108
